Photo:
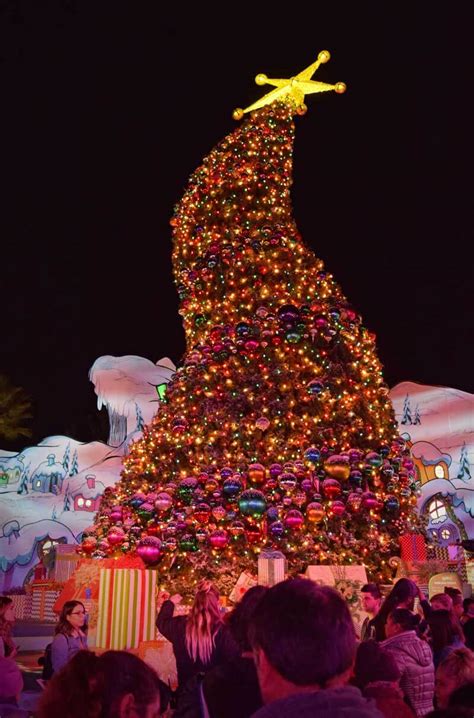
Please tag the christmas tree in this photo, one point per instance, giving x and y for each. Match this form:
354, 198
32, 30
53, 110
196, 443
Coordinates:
277, 430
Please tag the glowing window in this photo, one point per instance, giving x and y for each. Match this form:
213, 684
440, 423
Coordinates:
439, 471
445, 534
88, 503
38, 483
80, 502
437, 511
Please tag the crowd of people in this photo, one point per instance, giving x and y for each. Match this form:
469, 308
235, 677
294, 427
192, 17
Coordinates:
289, 650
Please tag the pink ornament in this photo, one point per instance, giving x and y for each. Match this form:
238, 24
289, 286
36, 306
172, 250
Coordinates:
294, 520
149, 550
338, 508
219, 539
115, 536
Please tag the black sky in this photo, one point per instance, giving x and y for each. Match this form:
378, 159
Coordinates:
108, 108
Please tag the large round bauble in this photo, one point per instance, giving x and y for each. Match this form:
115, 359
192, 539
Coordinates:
338, 508
299, 498
103, 545
211, 485
232, 486
306, 485
312, 454
179, 425
392, 504
188, 543
146, 511
256, 473
294, 520
88, 545
137, 499
243, 329
355, 455
219, 513
331, 488
253, 534
116, 514
149, 550
237, 529
202, 513
115, 536
219, 539
315, 512
275, 470
315, 387
337, 467
288, 313
354, 502
374, 459
262, 423
276, 530
163, 502
186, 487
252, 503
226, 472
355, 478
287, 481
369, 500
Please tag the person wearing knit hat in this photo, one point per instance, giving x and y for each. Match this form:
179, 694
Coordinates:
11, 685
376, 674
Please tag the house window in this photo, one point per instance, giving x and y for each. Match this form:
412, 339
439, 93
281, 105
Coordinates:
88, 503
445, 534
80, 502
439, 471
437, 511
38, 483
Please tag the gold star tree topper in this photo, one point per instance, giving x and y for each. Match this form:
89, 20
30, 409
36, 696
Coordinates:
292, 90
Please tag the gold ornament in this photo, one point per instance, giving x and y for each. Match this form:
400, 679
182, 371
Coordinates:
292, 90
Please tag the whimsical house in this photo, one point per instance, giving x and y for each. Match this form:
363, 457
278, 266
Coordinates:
87, 497
11, 471
49, 476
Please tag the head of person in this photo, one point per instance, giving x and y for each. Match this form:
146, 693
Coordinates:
463, 696
203, 623
72, 618
402, 595
7, 613
400, 620
441, 602
468, 607
468, 630
373, 664
11, 681
303, 638
116, 684
239, 620
444, 629
455, 671
456, 597
371, 598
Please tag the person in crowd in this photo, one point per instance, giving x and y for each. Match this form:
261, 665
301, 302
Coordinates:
11, 685
229, 690
377, 675
200, 640
414, 660
70, 634
402, 595
371, 601
453, 673
304, 645
468, 630
116, 684
456, 597
8, 649
468, 610
445, 634
463, 696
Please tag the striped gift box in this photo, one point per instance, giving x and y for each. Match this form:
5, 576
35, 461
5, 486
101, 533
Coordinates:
65, 562
21, 605
271, 568
412, 547
127, 607
43, 599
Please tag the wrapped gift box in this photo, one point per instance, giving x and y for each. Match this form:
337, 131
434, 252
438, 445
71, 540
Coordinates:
271, 568
65, 563
43, 597
244, 582
127, 607
21, 605
413, 547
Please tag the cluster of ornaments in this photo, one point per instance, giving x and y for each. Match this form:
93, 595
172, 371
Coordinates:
263, 505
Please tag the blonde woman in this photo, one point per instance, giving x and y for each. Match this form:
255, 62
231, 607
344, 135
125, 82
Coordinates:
200, 640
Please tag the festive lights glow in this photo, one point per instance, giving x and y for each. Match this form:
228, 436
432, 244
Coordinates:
277, 429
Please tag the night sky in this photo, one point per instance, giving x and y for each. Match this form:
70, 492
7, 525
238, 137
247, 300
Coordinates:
107, 109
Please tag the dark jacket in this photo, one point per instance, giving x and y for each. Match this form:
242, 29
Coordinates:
174, 629
389, 699
344, 702
415, 662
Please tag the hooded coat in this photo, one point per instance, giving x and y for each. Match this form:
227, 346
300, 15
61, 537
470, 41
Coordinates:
415, 662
